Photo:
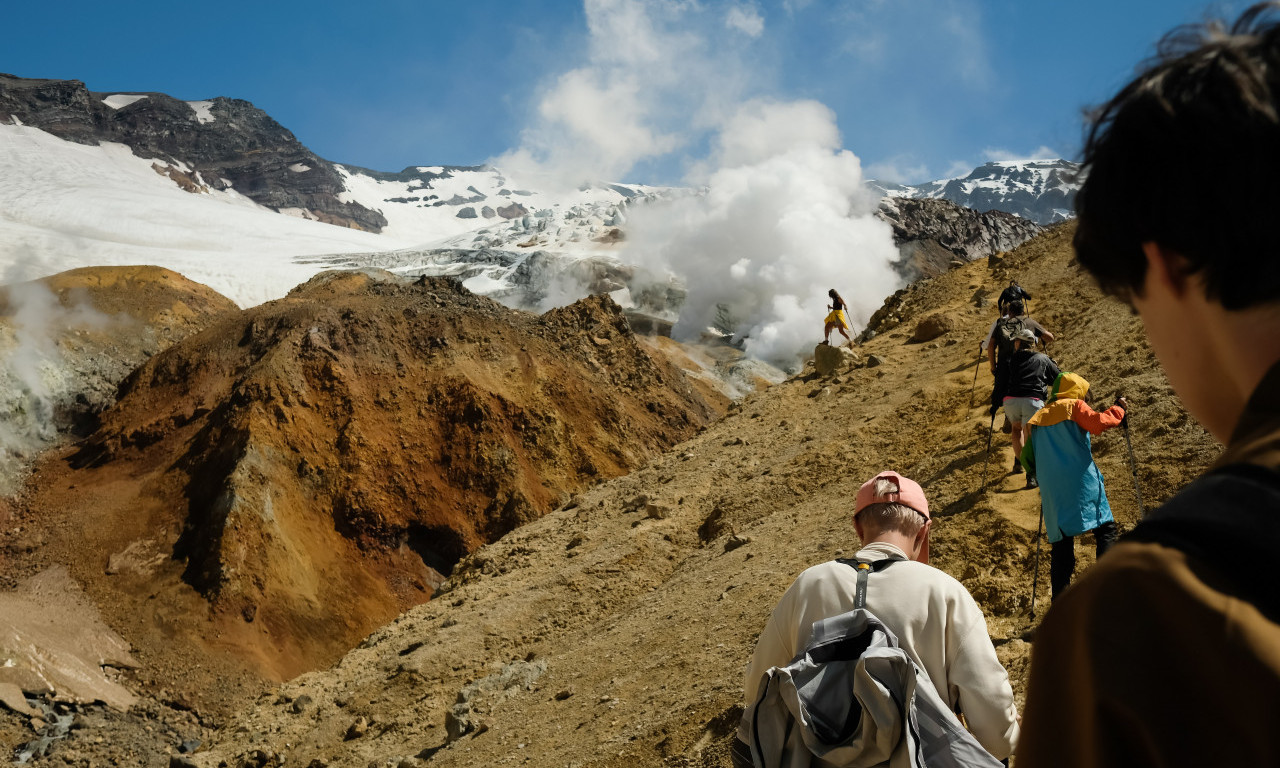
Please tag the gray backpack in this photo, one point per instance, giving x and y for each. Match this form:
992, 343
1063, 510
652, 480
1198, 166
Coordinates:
854, 698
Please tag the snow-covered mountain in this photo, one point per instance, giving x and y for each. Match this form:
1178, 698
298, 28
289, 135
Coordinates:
222, 193
1041, 190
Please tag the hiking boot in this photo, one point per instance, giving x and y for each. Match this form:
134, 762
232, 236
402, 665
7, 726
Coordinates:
1017, 467
1032, 482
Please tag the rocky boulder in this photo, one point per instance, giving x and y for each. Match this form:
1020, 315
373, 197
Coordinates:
932, 327
828, 359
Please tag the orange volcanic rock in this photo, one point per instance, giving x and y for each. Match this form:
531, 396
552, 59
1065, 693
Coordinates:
307, 469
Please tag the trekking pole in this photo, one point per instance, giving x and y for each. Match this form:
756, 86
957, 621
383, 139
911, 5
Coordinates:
1035, 580
987, 461
974, 385
1133, 465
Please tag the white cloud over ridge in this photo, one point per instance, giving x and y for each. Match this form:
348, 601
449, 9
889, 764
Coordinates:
993, 154
899, 170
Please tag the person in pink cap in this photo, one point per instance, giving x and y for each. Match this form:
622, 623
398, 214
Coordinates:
937, 622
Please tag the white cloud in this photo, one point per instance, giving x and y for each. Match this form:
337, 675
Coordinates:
957, 169
944, 37
902, 169
761, 129
993, 154
746, 19
962, 24
655, 79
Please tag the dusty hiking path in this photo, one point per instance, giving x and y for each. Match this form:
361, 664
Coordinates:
614, 631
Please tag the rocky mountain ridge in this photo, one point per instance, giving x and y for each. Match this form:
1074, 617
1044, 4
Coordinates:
1043, 191
456, 218
219, 143
934, 234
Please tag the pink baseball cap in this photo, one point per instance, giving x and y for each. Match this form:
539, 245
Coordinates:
909, 494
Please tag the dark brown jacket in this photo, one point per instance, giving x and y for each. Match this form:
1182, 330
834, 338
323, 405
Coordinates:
1167, 652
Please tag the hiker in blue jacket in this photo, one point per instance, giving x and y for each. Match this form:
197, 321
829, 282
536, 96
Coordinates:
1060, 455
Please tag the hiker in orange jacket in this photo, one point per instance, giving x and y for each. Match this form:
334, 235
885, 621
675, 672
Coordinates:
1059, 454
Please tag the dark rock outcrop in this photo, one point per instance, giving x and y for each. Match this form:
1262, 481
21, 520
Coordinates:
931, 234
513, 211
227, 143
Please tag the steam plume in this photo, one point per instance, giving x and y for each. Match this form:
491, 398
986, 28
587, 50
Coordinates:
33, 378
784, 216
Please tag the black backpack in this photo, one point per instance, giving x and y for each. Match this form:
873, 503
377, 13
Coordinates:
1250, 533
1006, 329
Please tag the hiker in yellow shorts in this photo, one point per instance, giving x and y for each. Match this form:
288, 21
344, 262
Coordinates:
836, 318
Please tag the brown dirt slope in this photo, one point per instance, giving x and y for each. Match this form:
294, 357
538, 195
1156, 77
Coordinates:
614, 631
275, 487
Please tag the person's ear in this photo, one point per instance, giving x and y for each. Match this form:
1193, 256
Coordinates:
921, 537
857, 528
1166, 269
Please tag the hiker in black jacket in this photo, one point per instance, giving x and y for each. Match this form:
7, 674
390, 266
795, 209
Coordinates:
1011, 294
1030, 374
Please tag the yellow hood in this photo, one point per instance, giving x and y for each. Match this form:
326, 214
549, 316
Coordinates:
1067, 389
1069, 386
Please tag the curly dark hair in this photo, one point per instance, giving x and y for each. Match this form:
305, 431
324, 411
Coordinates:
1187, 155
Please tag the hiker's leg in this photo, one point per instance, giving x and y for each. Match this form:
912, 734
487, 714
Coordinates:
1018, 437
841, 328
1062, 564
1105, 535
826, 332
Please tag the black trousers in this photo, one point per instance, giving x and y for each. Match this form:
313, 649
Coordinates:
1062, 555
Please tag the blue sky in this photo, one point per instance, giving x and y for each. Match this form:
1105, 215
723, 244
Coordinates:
919, 88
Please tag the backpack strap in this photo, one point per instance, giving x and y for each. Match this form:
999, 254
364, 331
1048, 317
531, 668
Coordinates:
864, 568
1194, 523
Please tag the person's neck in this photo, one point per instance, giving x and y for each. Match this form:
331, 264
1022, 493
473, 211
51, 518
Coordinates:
895, 538
1246, 345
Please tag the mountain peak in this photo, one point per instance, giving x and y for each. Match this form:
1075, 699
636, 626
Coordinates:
1042, 190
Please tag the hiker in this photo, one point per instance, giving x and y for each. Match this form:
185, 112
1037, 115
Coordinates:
999, 346
936, 621
1011, 294
836, 318
1030, 374
1059, 455
1165, 653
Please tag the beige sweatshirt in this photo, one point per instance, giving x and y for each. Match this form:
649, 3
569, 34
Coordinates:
936, 620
